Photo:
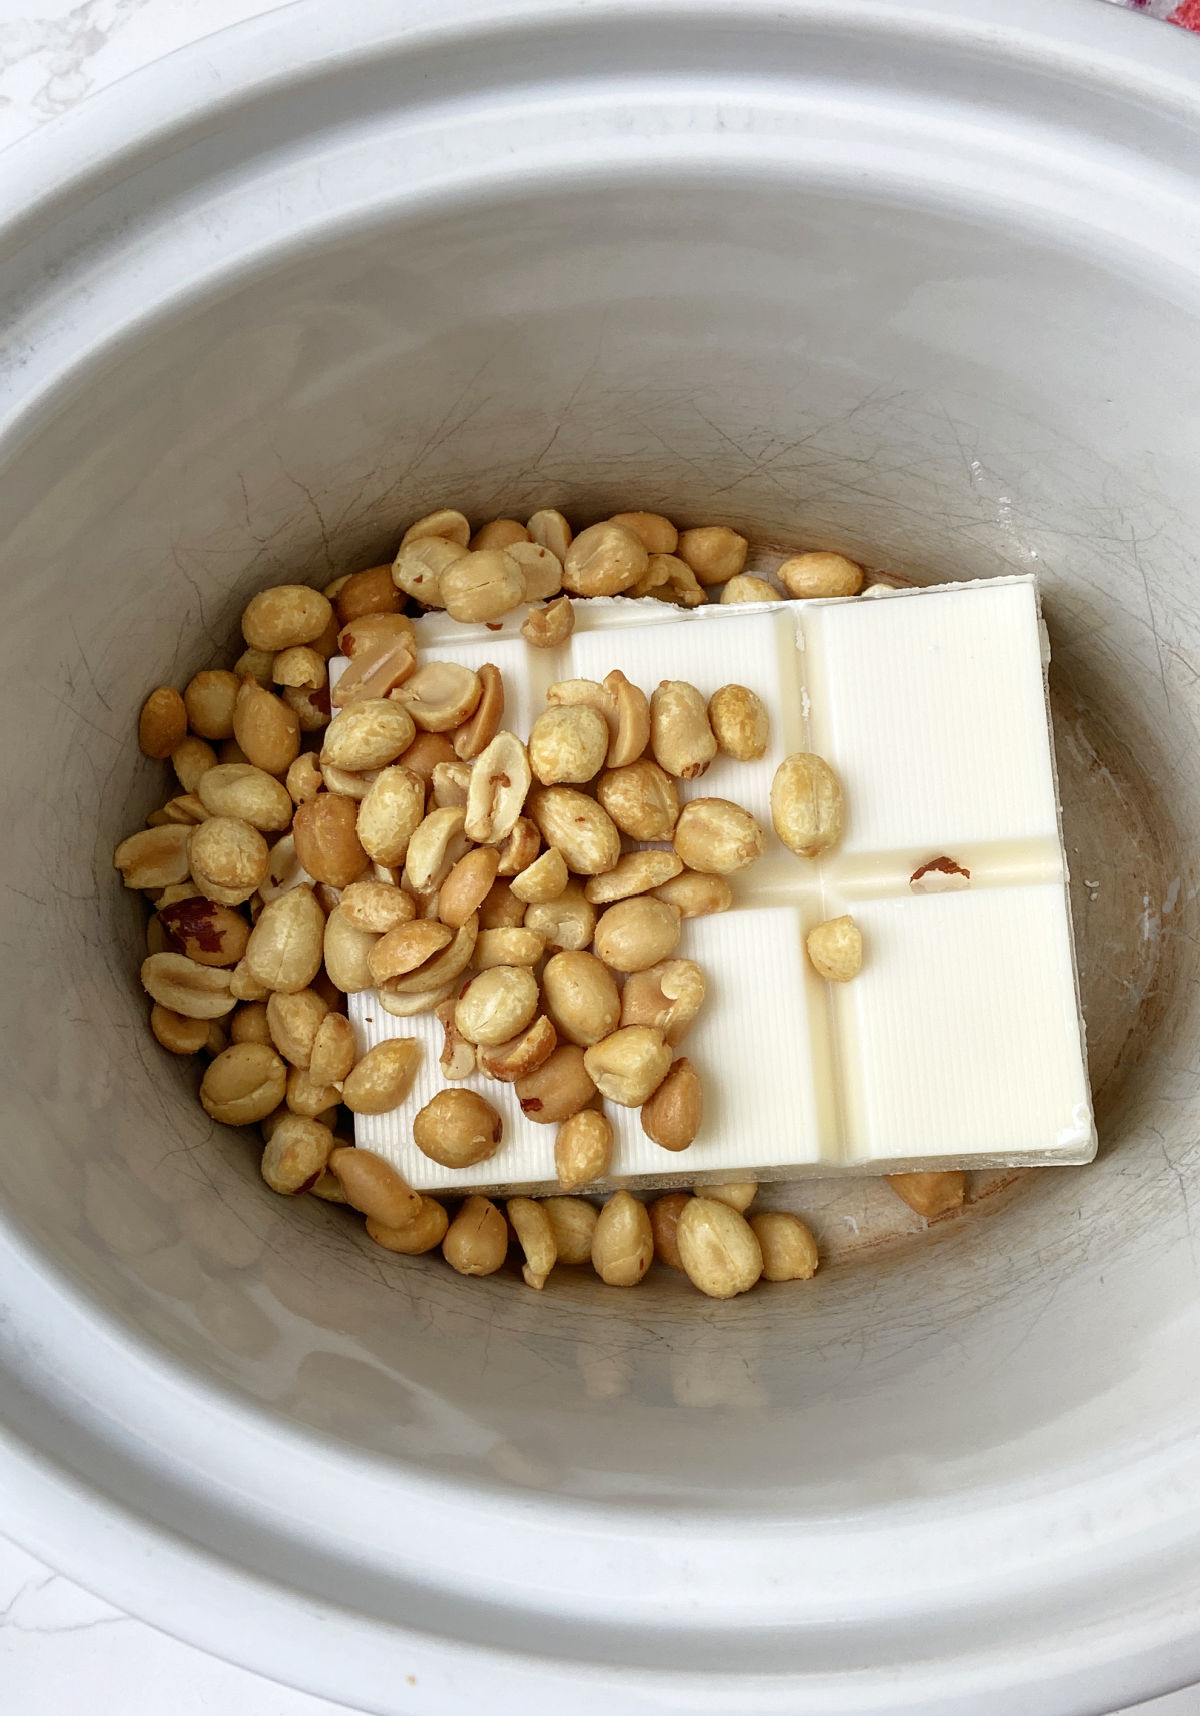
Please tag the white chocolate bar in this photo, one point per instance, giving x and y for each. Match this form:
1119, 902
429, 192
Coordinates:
960, 1043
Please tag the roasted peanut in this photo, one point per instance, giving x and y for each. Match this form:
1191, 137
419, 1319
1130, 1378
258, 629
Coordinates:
446, 523
243, 1084
508, 945
569, 693
580, 828
196, 991
628, 1066
738, 1194
423, 1233
176, 1032
641, 798
347, 783
467, 886
239, 789
407, 1006
406, 948
664, 1216
500, 780
333, 1050
549, 528
560, 1087
373, 1186
521, 1055
497, 1004
541, 570
789, 1251
305, 1095
458, 1128
718, 837
656, 533
672, 1116
477, 734
284, 950
451, 783
718, 1248
835, 949
284, 615
551, 626
520, 848
805, 575
376, 906
244, 987
391, 813
437, 844
248, 1023
632, 731
747, 589
266, 729
369, 592
185, 808
695, 895
368, 735
419, 565
566, 923
623, 1243
457, 1059
714, 552
535, 1235
328, 1187
373, 633
482, 585
583, 1149
670, 579
326, 839
680, 736
930, 1195
568, 744
573, 1221
581, 998
293, 1022
155, 857
603, 561
806, 804
296, 1154
738, 718
190, 759
637, 933
207, 932
635, 873
542, 880
257, 663
209, 698
310, 707
476, 1242
440, 696
284, 870
501, 910
162, 724
228, 859
498, 533
373, 673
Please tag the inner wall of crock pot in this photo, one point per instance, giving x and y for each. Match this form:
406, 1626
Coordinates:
936, 398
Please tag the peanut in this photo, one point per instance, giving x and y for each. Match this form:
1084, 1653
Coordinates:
257, 663
207, 932
306, 1096
458, 1128
931, 1194
243, 1084
155, 857
718, 837
583, 1149
296, 1154
266, 729
603, 561
566, 923
406, 948
333, 1049
368, 735
373, 633
391, 813
196, 991
628, 1066
718, 1248
426, 1231
714, 552
623, 1243
240, 789
482, 585
641, 799
293, 1022
521, 1055
664, 1215
807, 575
541, 571
228, 859
467, 886
162, 724
508, 945
284, 950
209, 698
190, 758
581, 829
535, 1235
835, 949
476, 1242
806, 804
248, 1023
631, 734
581, 998
550, 529
373, 1186
501, 910
498, 533
656, 533
176, 1032
551, 626
672, 1116
635, 873
670, 579
365, 593
738, 718
746, 589
636, 933
450, 785
542, 880
477, 734
738, 1194
374, 673
310, 707
680, 736
789, 1250
284, 615
437, 844
440, 696
457, 1059
446, 523
500, 779
376, 906
568, 744
573, 1222
497, 1004
520, 848
419, 565
560, 1087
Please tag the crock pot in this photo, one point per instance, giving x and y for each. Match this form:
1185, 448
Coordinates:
914, 279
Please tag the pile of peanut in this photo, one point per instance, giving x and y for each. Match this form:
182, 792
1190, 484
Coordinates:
392, 835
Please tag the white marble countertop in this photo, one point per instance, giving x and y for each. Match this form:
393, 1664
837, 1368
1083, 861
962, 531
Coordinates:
60, 1647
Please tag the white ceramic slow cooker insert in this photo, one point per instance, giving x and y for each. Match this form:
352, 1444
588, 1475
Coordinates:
920, 282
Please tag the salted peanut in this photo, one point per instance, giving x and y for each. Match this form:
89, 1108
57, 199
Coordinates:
328, 1188
718, 837
368, 735
581, 829
257, 664
672, 1116
664, 1216
628, 1066
632, 732
635, 873
374, 673
426, 1231
477, 734
541, 570
391, 812
310, 707
566, 923
623, 1242
457, 1059
656, 533
670, 579
420, 1001
508, 945
244, 987
551, 626
603, 561
325, 833
240, 789
196, 991
500, 779
581, 998
550, 529
440, 696
437, 844
467, 886
583, 1149
695, 895
567, 693
209, 933
248, 1023
176, 1032
406, 947
680, 736
293, 1022
789, 1251
374, 634
542, 880
266, 729
217, 1040
376, 907
457, 1128
284, 950
305, 1095
303, 779
174, 892
476, 1241
573, 1222
347, 783
498, 533
162, 723
740, 724
560, 1087
228, 859
190, 759
835, 949
636, 933
284, 870
209, 698
285, 615
497, 1004
714, 552
157, 940
641, 798
738, 1194
806, 804
370, 592
568, 744
658, 570
522, 1055
447, 522
185, 808
373, 1186
296, 1154
718, 1248
384, 1076
333, 1050
450, 785
520, 848
747, 589
243, 1084
501, 910
535, 1235
932, 1194
155, 857
445, 967
420, 564
482, 585
807, 575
